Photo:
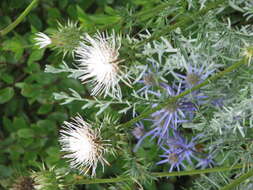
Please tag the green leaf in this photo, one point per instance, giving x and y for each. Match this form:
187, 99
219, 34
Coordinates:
35, 56
63, 3
15, 45
45, 126
58, 116
84, 18
31, 91
25, 133
19, 122
35, 21
53, 150
6, 94
44, 109
7, 78
7, 124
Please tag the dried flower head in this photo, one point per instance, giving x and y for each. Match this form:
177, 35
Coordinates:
83, 145
99, 59
138, 131
48, 178
42, 40
23, 183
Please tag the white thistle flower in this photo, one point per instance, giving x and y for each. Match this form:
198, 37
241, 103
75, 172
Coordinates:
42, 40
98, 57
83, 145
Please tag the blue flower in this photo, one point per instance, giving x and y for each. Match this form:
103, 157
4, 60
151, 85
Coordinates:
149, 78
195, 75
177, 150
174, 114
175, 160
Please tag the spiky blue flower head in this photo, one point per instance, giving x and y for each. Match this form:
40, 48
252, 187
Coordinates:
174, 159
150, 78
195, 74
172, 115
177, 150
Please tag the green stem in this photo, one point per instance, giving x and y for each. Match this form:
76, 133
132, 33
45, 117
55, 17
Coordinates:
97, 180
159, 174
175, 98
19, 19
140, 16
146, 14
183, 20
237, 181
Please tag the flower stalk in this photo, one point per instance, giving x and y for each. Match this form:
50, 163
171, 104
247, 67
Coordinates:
158, 174
19, 19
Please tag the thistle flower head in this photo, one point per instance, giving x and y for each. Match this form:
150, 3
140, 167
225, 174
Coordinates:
99, 61
42, 40
66, 38
83, 145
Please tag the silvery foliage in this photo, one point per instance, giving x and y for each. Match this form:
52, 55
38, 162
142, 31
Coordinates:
215, 181
234, 119
248, 9
229, 126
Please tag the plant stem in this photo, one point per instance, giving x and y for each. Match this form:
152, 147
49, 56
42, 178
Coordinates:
175, 98
185, 19
19, 19
237, 181
140, 16
159, 174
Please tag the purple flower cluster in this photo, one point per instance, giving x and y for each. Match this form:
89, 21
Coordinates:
177, 151
170, 117
166, 121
